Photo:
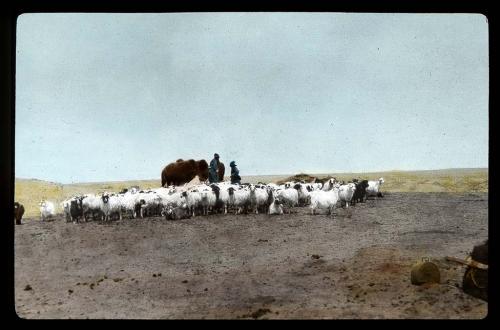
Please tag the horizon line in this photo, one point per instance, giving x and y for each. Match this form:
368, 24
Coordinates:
281, 174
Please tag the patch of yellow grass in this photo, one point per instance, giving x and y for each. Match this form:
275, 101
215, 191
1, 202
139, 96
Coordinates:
30, 192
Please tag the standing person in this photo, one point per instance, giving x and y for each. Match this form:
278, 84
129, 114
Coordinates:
235, 173
213, 171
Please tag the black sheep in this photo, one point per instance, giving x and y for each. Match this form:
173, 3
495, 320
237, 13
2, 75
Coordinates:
360, 192
76, 209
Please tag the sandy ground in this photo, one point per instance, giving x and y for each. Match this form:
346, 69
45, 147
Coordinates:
356, 265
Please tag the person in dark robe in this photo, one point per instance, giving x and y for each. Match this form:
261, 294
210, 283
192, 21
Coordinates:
235, 173
213, 176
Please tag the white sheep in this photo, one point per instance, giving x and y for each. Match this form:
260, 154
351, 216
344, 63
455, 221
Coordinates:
346, 192
239, 198
289, 197
150, 203
304, 191
112, 204
193, 200
276, 206
66, 205
223, 200
208, 198
373, 188
325, 199
173, 198
129, 202
258, 198
47, 209
91, 204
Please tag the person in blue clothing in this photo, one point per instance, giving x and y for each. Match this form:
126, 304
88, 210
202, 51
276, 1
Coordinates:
213, 170
235, 173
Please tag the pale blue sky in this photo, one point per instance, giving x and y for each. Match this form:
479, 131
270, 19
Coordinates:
103, 97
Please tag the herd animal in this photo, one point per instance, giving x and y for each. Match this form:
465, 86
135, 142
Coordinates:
182, 171
373, 188
190, 200
18, 212
47, 210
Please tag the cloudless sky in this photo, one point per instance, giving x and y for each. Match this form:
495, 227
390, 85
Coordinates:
104, 97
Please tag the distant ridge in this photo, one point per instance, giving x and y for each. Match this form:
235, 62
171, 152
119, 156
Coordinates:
147, 181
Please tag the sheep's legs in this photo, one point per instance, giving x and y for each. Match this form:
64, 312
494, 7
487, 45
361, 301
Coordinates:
332, 211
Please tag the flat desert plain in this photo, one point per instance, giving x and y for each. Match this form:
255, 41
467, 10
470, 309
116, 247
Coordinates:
255, 266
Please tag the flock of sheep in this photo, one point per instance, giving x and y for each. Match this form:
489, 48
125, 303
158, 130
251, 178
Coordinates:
180, 202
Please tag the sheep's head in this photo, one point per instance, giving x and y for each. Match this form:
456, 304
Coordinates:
204, 195
381, 180
105, 197
76, 203
167, 211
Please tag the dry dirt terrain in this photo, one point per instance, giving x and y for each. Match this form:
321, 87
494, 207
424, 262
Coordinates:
356, 265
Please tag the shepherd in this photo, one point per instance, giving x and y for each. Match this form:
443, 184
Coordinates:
235, 173
213, 170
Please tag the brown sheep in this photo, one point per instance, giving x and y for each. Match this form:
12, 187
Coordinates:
18, 212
